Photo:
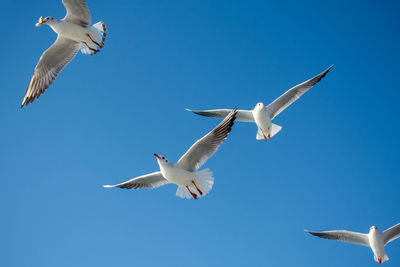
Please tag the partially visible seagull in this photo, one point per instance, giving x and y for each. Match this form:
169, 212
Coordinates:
375, 239
263, 115
184, 173
74, 33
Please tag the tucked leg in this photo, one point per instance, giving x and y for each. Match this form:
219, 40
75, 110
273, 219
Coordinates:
91, 49
201, 193
265, 138
96, 43
193, 194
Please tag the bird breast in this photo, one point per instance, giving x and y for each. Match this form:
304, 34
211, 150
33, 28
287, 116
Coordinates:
176, 174
70, 30
261, 117
376, 243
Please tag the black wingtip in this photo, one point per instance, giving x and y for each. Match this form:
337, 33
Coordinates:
326, 71
24, 103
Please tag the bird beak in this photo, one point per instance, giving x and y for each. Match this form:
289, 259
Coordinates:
157, 156
262, 105
40, 22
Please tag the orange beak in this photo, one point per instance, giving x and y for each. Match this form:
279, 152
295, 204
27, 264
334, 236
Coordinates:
40, 22
157, 156
262, 105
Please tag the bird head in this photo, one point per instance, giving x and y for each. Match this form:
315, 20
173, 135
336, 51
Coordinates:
259, 106
161, 159
43, 21
373, 228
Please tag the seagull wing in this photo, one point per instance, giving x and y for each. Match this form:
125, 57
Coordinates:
77, 12
242, 115
345, 236
391, 234
152, 180
293, 94
205, 147
50, 64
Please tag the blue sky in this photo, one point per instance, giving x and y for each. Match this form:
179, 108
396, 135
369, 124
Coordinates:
333, 166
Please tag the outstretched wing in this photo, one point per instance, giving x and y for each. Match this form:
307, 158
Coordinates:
205, 147
345, 236
152, 180
77, 12
50, 64
242, 115
293, 94
391, 234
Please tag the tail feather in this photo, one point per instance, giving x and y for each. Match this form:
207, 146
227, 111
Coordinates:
97, 37
182, 192
382, 259
273, 131
204, 182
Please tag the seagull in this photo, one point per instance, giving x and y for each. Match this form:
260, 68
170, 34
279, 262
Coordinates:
263, 115
375, 239
191, 183
74, 33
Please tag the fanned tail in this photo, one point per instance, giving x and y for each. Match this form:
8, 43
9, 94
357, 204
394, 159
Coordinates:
203, 183
381, 259
97, 37
273, 131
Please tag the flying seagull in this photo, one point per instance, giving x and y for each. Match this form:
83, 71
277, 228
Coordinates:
184, 173
375, 239
263, 115
74, 33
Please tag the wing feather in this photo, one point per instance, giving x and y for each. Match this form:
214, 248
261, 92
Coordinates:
205, 147
77, 12
293, 94
50, 64
242, 115
152, 180
344, 236
391, 234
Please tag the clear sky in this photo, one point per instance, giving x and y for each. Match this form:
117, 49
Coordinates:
334, 165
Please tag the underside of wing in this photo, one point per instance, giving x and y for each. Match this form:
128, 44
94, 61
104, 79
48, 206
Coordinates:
77, 12
293, 94
242, 115
391, 234
50, 64
205, 147
152, 180
345, 236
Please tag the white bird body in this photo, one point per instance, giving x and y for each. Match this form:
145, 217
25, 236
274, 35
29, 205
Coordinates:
189, 182
72, 31
263, 115
375, 239
263, 121
175, 174
377, 245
